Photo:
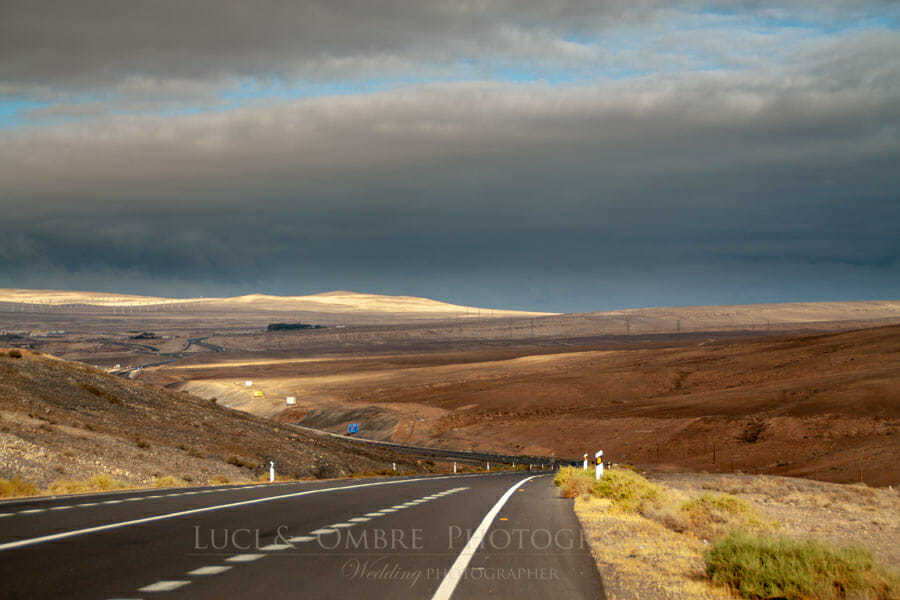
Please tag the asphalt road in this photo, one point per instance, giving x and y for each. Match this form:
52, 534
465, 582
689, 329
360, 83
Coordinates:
504, 535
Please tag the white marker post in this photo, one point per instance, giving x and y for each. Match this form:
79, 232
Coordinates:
489, 466
271, 471
585, 462
598, 473
454, 468
248, 383
393, 464
290, 401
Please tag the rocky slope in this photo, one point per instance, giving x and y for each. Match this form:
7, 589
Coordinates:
64, 420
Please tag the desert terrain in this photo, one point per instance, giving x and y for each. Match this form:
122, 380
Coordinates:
806, 389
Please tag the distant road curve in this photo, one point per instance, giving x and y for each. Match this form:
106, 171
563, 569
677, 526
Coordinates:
460, 455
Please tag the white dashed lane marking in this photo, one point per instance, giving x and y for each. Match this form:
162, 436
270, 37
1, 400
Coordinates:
210, 570
275, 547
244, 558
163, 586
132, 499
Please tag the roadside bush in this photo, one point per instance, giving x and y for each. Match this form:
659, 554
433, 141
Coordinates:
628, 490
714, 515
243, 463
166, 481
779, 567
16, 486
573, 482
15, 353
97, 483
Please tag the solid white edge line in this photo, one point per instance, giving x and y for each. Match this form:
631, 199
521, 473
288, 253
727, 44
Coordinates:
451, 579
193, 511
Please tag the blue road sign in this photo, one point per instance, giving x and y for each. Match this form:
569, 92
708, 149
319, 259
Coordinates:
353, 428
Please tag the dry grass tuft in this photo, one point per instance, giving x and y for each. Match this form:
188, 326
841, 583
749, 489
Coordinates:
573, 482
651, 540
167, 481
97, 483
641, 558
16, 486
714, 515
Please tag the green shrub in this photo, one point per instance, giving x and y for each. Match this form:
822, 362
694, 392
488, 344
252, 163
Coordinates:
627, 489
16, 486
780, 567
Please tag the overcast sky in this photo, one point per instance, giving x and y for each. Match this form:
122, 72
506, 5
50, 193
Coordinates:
548, 155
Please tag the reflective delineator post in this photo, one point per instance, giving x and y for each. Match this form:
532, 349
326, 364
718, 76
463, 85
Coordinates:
271, 471
585, 461
454, 468
598, 473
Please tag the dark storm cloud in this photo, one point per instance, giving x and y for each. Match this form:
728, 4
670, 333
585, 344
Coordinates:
91, 42
50, 45
772, 180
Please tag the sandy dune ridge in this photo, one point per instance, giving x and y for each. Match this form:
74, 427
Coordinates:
332, 302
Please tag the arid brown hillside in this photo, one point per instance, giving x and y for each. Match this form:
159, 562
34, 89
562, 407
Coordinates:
825, 406
62, 420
